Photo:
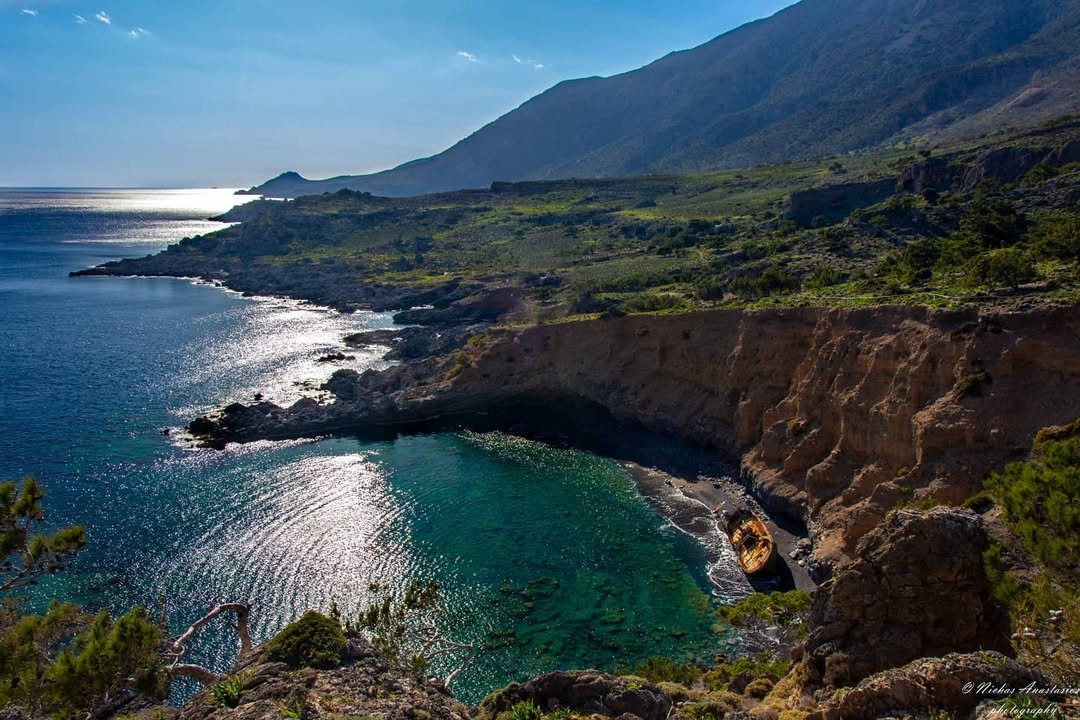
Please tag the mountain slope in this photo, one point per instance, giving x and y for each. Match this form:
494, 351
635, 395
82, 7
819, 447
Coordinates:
820, 77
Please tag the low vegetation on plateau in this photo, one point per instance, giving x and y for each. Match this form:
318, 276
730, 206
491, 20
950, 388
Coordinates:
991, 222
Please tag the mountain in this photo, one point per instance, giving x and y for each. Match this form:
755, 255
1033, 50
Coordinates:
820, 77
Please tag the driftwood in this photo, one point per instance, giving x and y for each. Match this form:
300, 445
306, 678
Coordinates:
178, 645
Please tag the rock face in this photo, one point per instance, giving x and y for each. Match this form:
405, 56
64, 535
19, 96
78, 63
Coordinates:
365, 685
915, 588
586, 692
930, 685
836, 201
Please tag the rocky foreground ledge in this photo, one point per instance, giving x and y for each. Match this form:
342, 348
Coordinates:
839, 417
362, 684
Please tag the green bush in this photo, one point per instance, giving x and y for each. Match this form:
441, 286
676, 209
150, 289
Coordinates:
67, 665
524, 710
758, 688
1008, 267
1057, 237
773, 280
228, 691
1041, 498
648, 302
762, 664
784, 610
313, 641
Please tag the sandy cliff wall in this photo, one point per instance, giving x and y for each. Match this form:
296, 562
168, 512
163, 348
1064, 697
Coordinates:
839, 415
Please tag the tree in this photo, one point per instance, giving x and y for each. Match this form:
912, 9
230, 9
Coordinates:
25, 552
1007, 267
67, 663
404, 630
64, 663
782, 613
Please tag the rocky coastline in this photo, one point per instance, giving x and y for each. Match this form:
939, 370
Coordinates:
838, 419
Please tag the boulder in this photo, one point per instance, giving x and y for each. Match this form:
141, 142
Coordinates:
915, 588
587, 692
956, 682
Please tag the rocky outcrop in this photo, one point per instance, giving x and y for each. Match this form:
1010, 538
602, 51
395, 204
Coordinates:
954, 682
587, 692
834, 202
963, 172
365, 685
915, 588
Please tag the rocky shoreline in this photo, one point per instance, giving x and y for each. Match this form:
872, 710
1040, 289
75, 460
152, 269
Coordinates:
838, 417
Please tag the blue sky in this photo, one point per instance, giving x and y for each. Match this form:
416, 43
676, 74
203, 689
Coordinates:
231, 92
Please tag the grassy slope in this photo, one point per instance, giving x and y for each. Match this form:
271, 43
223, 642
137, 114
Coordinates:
669, 242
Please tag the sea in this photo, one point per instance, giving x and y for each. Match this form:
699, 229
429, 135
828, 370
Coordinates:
547, 558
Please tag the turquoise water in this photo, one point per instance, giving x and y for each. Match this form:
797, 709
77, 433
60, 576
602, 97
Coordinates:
548, 558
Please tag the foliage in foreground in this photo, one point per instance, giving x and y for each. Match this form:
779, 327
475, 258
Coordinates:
314, 641
64, 663
404, 629
1040, 498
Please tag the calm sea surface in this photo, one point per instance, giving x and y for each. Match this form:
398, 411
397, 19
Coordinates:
549, 558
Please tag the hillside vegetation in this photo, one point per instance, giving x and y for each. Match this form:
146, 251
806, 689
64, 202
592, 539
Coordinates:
993, 222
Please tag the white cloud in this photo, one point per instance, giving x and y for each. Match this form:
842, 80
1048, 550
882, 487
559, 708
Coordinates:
468, 56
31, 13
138, 33
80, 20
104, 17
526, 61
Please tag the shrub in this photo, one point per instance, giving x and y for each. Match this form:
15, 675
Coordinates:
1057, 237
651, 303
709, 288
822, 276
313, 641
758, 688
659, 669
524, 710
677, 692
762, 664
1041, 498
773, 280
784, 610
1007, 267
713, 706
1038, 174
228, 691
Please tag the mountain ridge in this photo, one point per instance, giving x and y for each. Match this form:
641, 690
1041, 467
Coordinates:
817, 78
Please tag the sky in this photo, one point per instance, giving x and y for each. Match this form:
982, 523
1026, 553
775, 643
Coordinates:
228, 93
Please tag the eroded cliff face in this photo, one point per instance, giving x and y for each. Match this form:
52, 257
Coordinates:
837, 415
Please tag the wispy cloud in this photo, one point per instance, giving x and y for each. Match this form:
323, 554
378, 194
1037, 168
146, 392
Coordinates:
80, 20
527, 61
103, 17
28, 11
467, 55
137, 33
